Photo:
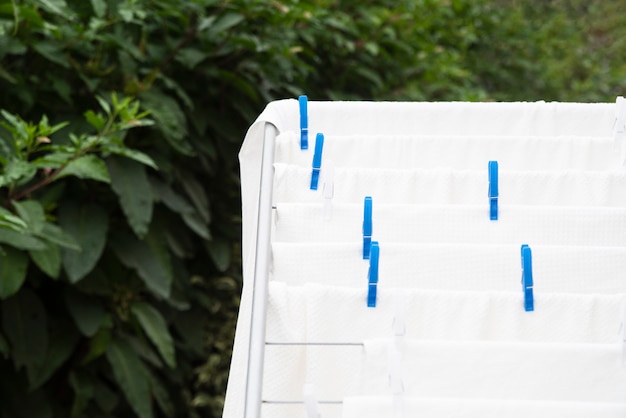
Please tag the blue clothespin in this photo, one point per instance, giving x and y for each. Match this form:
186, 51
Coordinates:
493, 190
527, 278
304, 122
367, 227
372, 277
317, 161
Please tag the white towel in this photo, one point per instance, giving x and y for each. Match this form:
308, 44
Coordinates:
458, 187
383, 407
474, 267
460, 152
498, 370
340, 315
533, 225
313, 313
341, 118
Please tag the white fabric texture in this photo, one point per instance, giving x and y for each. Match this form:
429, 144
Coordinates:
428, 119
461, 152
379, 407
499, 370
330, 314
472, 267
319, 313
445, 186
533, 225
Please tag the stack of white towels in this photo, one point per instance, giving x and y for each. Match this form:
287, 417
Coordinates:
449, 336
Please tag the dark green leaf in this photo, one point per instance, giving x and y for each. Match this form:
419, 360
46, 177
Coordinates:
87, 311
60, 349
106, 399
191, 57
17, 172
32, 213
170, 119
162, 397
95, 119
131, 376
83, 392
10, 221
99, 7
52, 233
24, 324
86, 167
197, 194
98, 345
4, 347
220, 252
89, 225
226, 22
48, 260
52, 52
22, 240
138, 156
149, 258
130, 183
13, 266
155, 328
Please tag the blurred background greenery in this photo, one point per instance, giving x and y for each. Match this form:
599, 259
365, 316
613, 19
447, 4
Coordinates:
161, 293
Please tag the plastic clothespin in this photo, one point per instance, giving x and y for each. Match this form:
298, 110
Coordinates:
367, 227
304, 122
372, 277
493, 190
620, 115
397, 346
527, 278
317, 161
622, 333
329, 188
310, 401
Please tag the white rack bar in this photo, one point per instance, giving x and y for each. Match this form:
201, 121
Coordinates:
254, 381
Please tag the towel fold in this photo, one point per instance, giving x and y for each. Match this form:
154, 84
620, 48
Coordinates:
460, 152
533, 225
474, 267
301, 315
314, 313
497, 370
457, 187
381, 406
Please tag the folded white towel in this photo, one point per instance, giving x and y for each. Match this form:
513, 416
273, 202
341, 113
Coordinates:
533, 225
381, 406
495, 370
460, 152
474, 267
458, 187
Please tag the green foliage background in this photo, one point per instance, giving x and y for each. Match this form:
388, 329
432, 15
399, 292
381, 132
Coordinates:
119, 239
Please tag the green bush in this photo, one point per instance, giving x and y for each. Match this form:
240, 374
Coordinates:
119, 262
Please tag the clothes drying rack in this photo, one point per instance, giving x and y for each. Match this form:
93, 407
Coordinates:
245, 394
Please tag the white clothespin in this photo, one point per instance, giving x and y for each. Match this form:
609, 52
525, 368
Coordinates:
623, 333
329, 189
396, 353
310, 401
619, 128
620, 116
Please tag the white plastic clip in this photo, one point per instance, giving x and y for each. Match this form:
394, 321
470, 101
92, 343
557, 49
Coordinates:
620, 116
329, 189
396, 353
619, 129
623, 333
310, 401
